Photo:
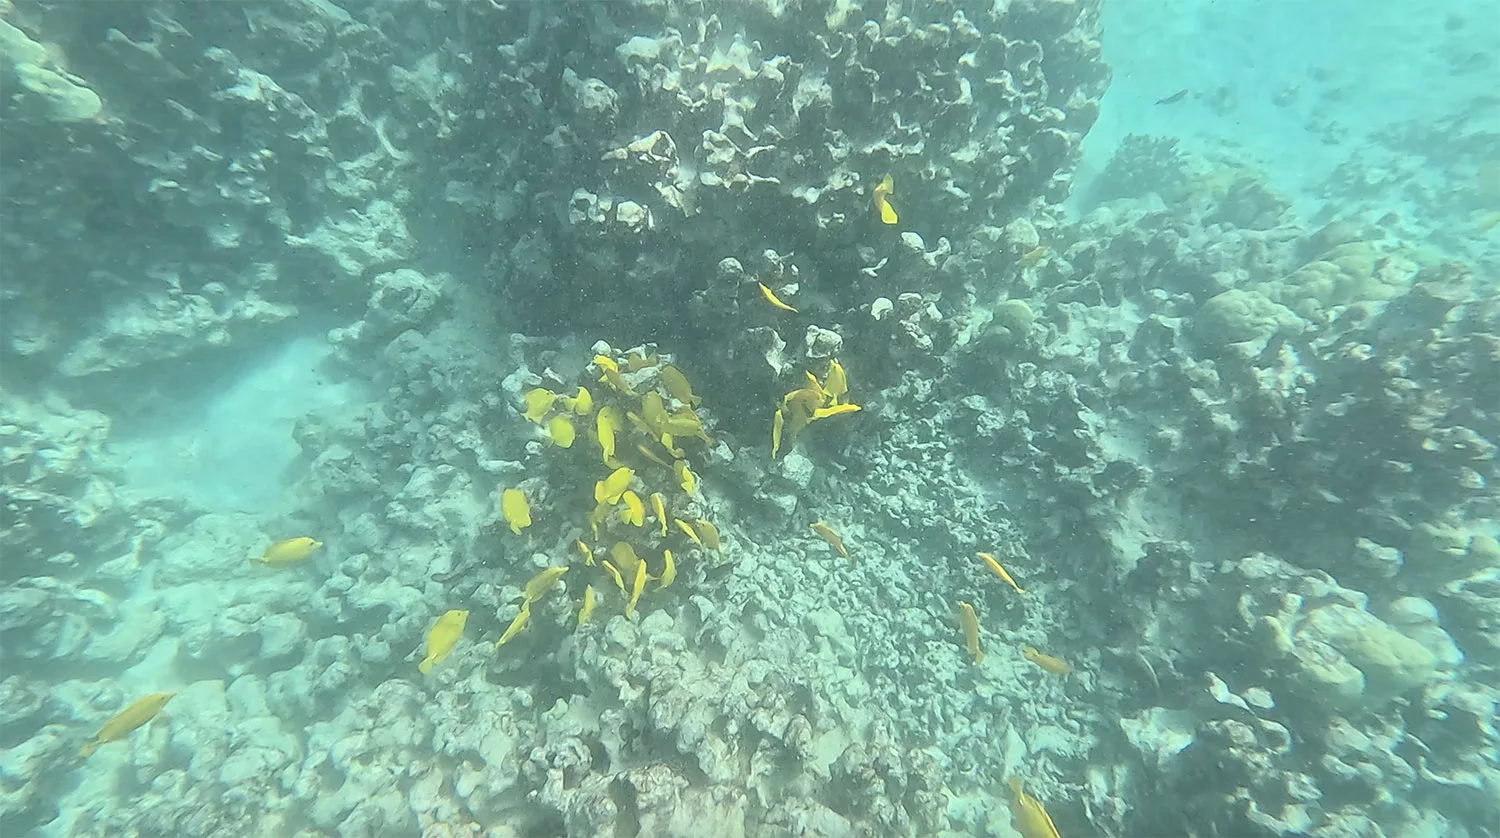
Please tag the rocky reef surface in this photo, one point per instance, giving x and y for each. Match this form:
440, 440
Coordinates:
1239, 466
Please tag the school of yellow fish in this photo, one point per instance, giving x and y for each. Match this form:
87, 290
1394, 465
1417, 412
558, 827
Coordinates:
651, 406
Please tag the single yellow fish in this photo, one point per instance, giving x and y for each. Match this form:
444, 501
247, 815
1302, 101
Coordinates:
583, 550
634, 511
1028, 816
614, 573
669, 575
835, 383
688, 530
560, 431
659, 509
677, 385
541, 583
685, 476
652, 456
442, 637
835, 410
636, 359
605, 426
612, 375
1056, 666
708, 532
777, 423
588, 605
624, 557
635, 589
597, 516
538, 402
514, 509
882, 193
288, 551
515, 625
139, 712
826, 533
1000, 571
773, 299
612, 488
969, 621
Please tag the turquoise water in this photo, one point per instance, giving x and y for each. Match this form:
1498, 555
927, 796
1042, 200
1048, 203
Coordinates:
939, 419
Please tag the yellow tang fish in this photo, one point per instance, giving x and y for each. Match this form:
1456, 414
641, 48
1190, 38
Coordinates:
612, 375
538, 402
560, 432
688, 530
588, 605
773, 299
777, 422
677, 385
684, 476
515, 510
614, 573
835, 410
826, 533
442, 637
636, 588
612, 488
581, 404
669, 575
637, 360
288, 551
597, 516
624, 557
634, 511
709, 533
835, 383
605, 426
119, 726
515, 625
882, 194
659, 509
541, 583
652, 455
1000, 571
583, 550
970, 623
1056, 666
1028, 816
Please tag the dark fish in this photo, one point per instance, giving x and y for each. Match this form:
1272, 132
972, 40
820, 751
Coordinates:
1175, 97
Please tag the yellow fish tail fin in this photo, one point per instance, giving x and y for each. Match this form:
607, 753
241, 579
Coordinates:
425, 666
88, 750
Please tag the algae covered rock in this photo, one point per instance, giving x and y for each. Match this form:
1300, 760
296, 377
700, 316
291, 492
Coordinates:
1013, 322
61, 98
1389, 662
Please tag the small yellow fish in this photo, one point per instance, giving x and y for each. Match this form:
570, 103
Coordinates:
659, 509
652, 456
612, 375
597, 516
139, 712
677, 385
588, 605
288, 551
1028, 816
583, 550
634, 511
773, 299
970, 624
624, 557
777, 423
614, 573
541, 583
581, 404
1032, 256
688, 530
515, 625
442, 637
1056, 666
515, 510
560, 431
637, 360
835, 410
605, 426
669, 575
1000, 571
635, 589
835, 383
538, 402
826, 533
882, 193
612, 488
708, 532
685, 476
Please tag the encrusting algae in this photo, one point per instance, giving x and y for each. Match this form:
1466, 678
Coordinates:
442, 637
287, 551
140, 711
